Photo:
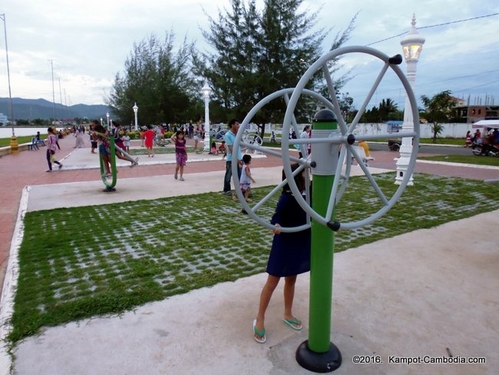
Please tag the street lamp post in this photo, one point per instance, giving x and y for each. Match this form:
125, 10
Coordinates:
206, 94
107, 117
135, 110
14, 146
412, 44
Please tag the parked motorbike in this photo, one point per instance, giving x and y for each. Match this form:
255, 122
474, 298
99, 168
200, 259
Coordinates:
480, 149
393, 145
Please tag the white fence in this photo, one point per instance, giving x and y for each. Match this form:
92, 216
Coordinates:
457, 130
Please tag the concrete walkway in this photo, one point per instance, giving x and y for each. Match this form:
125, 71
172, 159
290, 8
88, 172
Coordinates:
429, 292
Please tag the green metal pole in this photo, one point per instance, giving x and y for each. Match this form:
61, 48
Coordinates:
110, 185
321, 270
318, 353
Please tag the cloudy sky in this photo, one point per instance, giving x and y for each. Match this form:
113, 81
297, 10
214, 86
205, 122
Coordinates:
86, 43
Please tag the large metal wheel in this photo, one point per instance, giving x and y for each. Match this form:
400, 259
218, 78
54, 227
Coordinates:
346, 137
245, 143
343, 137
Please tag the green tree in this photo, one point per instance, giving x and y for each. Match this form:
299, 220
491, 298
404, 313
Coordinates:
160, 80
387, 110
387, 107
437, 110
346, 106
255, 53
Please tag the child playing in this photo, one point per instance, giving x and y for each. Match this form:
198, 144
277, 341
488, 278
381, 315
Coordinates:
120, 147
148, 136
101, 135
222, 150
246, 178
180, 153
126, 141
213, 150
289, 257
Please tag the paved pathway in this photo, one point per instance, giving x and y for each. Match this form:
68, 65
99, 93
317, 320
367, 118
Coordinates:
154, 338
28, 168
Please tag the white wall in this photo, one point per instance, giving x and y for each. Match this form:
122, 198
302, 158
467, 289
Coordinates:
449, 130
457, 130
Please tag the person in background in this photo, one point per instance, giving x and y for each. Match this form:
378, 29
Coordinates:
148, 137
93, 140
477, 138
273, 138
365, 146
126, 141
468, 139
39, 140
101, 135
246, 178
230, 138
304, 135
222, 150
51, 149
180, 154
196, 134
213, 149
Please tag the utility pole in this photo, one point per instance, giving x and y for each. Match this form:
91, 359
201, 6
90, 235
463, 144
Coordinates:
14, 146
53, 90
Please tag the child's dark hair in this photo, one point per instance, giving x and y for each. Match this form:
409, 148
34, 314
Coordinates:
178, 133
99, 129
246, 158
299, 179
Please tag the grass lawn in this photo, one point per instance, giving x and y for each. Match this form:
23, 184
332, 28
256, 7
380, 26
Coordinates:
466, 159
80, 262
5, 142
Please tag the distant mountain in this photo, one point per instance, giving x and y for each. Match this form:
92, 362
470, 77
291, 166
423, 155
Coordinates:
29, 109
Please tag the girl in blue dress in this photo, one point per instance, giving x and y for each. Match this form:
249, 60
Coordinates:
289, 256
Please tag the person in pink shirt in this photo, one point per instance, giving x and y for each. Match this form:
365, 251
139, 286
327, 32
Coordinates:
51, 149
180, 153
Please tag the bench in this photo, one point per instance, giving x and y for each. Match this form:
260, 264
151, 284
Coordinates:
33, 145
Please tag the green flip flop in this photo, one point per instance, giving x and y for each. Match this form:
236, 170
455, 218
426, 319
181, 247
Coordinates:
294, 323
259, 333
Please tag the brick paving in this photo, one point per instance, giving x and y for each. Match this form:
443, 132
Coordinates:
28, 168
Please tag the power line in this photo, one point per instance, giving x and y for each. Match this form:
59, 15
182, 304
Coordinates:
459, 77
436, 25
474, 87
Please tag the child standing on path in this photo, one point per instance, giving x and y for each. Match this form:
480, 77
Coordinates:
180, 153
149, 135
126, 141
246, 178
222, 150
51, 148
289, 256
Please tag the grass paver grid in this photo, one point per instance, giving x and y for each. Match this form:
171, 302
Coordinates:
86, 261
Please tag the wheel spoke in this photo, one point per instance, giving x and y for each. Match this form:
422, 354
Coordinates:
372, 137
342, 135
368, 97
336, 105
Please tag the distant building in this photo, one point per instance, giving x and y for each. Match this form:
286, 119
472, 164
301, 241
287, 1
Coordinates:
474, 113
